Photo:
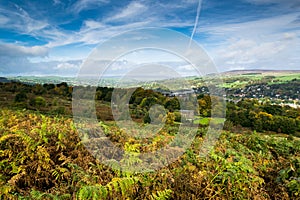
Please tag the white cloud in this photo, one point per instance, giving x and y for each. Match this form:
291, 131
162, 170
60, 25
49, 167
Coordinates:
264, 43
131, 10
260, 2
19, 20
56, 2
3, 20
93, 31
289, 36
81, 5
285, 3
179, 5
250, 53
12, 50
15, 58
92, 24
256, 28
187, 68
66, 65
22, 66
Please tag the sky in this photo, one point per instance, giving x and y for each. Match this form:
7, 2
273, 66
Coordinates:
54, 37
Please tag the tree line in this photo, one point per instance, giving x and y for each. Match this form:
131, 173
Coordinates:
246, 113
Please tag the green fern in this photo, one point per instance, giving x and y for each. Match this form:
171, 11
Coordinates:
5, 191
122, 186
161, 195
37, 194
93, 192
131, 157
34, 194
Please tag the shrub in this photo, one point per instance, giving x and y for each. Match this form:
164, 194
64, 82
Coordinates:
38, 102
21, 97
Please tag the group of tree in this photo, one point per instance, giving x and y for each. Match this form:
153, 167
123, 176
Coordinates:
246, 113
264, 116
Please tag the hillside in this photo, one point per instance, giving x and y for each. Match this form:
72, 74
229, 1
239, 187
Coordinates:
262, 72
43, 158
45, 155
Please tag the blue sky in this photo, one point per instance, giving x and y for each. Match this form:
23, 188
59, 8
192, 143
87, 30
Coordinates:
53, 37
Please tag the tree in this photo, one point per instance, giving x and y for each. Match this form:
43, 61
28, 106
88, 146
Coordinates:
49, 86
272, 109
203, 108
170, 118
62, 84
148, 102
172, 104
266, 120
21, 97
147, 119
38, 89
108, 96
177, 116
285, 124
98, 95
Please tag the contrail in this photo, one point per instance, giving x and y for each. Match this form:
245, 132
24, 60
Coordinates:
196, 22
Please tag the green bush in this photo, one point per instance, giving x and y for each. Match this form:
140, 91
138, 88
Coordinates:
21, 97
38, 102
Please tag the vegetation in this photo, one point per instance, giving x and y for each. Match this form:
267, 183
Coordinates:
264, 116
41, 157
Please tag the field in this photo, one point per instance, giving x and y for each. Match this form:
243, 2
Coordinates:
204, 121
241, 81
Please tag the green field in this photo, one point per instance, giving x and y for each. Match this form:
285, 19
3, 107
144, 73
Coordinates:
285, 78
206, 120
240, 81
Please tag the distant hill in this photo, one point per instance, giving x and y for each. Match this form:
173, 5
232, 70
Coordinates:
4, 80
259, 71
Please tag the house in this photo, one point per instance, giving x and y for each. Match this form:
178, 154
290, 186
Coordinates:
187, 114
